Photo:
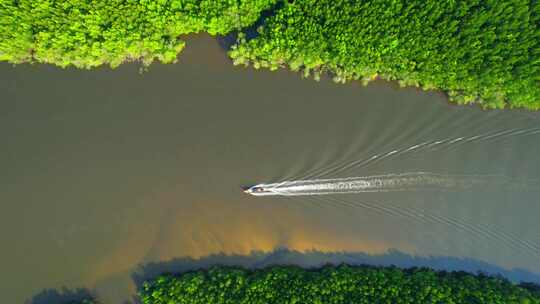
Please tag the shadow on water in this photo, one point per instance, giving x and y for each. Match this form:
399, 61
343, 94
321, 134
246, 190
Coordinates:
61, 296
309, 259
251, 31
314, 258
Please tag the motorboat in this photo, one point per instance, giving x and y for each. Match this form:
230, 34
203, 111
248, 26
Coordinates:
257, 190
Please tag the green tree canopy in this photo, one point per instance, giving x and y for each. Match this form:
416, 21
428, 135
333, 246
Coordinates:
332, 285
87, 34
477, 51
483, 51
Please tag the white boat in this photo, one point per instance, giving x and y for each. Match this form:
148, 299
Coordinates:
257, 190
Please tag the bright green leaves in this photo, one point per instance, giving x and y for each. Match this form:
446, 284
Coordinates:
87, 34
15, 32
486, 52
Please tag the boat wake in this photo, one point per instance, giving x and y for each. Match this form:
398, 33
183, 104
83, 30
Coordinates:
413, 181
430, 145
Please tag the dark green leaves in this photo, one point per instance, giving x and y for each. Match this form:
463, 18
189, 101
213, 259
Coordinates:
331, 285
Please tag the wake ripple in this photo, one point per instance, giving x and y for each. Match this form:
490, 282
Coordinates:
495, 235
433, 145
396, 182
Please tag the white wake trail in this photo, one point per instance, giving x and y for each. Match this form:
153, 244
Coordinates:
394, 182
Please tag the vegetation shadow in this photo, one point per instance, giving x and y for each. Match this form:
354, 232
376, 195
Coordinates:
250, 32
314, 259
61, 296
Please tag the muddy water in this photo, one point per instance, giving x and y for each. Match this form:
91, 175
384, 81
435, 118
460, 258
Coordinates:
104, 172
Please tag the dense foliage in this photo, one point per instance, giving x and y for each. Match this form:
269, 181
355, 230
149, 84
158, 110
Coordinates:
91, 33
343, 284
484, 51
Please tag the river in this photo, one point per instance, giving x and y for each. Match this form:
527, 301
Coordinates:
110, 176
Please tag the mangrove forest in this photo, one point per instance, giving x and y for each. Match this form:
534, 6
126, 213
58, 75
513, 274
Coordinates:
331, 284
479, 51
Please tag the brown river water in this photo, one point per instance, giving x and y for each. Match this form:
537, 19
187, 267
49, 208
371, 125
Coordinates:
109, 177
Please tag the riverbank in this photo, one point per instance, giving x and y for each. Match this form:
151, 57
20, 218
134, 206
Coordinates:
483, 52
328, 284
88, 34
332, 284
